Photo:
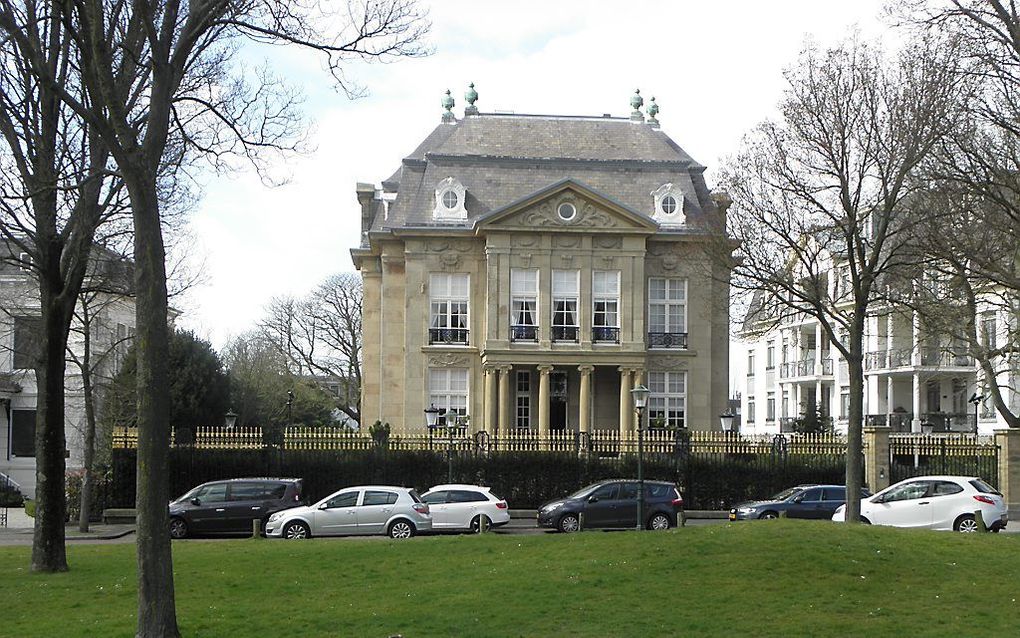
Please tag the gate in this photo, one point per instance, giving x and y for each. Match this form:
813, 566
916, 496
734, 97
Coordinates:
924, 454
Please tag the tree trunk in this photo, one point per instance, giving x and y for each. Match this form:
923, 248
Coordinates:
157, 616
48, 551
89, 453
854, 446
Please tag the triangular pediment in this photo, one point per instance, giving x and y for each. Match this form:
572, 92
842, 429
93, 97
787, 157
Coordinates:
566, 205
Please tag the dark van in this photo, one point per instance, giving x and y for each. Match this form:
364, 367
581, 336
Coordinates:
229, 506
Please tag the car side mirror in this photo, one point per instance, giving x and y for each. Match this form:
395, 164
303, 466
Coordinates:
593, 499
196, 501
798, 499
324, 506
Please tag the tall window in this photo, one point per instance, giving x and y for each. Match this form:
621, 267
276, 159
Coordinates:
448, 391
26, 342
770, 356
523, 400
844, 405
667, 312
667, 397
989, 329
523, 304
770, 406
565, 295
786, 403
605, 296
23, 432
449, 308
750, 364
750, 410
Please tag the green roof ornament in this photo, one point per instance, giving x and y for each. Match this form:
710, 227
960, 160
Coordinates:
635, 103
471, 97
653, 110
448, 104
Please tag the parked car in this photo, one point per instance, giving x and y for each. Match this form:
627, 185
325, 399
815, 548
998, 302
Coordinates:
230, 506
462, 507
935, 502
613, 504
369, 509
803, 501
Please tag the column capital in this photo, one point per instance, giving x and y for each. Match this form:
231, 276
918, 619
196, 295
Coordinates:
586, 369
625, 370
504, 368
544, 369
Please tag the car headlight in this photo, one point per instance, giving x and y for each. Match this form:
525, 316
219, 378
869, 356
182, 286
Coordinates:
551, 506
745, 510
277, 516
841, 509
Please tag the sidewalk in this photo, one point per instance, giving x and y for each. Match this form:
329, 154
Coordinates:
21, 525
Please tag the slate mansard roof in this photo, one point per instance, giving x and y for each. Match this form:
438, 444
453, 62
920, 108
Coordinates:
502, 158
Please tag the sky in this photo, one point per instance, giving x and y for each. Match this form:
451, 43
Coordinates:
715, 69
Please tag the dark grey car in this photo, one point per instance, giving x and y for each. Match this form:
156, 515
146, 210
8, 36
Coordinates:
230, 506
613, 504
803, 501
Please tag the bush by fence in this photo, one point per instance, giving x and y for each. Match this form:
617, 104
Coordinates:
709, 480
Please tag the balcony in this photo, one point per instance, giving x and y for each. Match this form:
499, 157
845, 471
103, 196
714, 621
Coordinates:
874, 360
805, 368
787, 370
936, 357
524, 333
827, 367
605, 334
946, 422
565, 333
677, 340
448, 336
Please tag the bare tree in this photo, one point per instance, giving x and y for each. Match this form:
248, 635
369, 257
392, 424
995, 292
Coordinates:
161, 84
320, 335
819, 194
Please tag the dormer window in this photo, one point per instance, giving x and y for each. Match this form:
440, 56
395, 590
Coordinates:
668, 201
450, 200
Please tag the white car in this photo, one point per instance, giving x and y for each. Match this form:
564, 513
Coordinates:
461, 507
934, 502
369, 509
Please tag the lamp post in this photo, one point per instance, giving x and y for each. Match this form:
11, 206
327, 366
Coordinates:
640, 396
432, 414
290, 407
975, 400
726, 420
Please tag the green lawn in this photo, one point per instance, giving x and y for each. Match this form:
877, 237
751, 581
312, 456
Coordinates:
788, 578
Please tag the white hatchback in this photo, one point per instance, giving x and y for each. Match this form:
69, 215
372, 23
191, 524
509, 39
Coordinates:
461, 507
934, 502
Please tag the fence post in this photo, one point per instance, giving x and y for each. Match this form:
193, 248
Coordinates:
876, 457
1008, 441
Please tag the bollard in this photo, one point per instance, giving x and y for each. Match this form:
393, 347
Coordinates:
256, 528
580, 521
483, 524
681, 519
979, 518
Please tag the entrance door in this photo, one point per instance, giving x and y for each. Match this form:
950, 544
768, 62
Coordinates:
558, 402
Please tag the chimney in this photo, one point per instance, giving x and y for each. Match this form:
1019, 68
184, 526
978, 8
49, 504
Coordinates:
366, 197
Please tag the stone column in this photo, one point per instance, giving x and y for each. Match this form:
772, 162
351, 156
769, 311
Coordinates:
915, 424
504, 399
876, 457
584, 420
625, 403
1008, 441
490, 400
543, 400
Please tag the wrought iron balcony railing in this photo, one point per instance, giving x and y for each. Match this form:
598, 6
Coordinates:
676, 340
456, 336
523, 333
564, 333
605, 334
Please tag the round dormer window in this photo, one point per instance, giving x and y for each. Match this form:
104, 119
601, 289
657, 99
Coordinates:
450, 199
566, 211
668, 205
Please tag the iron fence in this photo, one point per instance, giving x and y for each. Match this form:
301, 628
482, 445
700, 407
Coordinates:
923, 454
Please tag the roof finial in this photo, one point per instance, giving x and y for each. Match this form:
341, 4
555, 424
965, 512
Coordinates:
635, 103
448, 103
653, 110
471, 96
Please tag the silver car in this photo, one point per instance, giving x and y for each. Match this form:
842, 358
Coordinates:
368, 509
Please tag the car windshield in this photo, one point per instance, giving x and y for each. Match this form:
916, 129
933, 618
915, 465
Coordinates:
983, 487
189, 495
785, 494
584, 490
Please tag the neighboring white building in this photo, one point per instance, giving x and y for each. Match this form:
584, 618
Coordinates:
111, 331
914, 379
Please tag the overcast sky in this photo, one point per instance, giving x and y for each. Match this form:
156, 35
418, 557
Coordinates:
715, 69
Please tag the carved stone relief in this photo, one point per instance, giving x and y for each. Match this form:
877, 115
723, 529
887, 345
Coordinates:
667, 363
447, 360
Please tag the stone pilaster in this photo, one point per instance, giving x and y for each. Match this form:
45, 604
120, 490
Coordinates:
504, 398
876, 457
1008, 441
490, 400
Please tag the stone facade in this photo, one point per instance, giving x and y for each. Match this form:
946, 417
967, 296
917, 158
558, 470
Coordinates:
502, 284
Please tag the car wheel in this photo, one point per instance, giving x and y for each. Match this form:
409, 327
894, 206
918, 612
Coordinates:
178, 528
658, 522
864, 520
476, 521
569, 523
296, 530
966, 524
769, 515
401, 529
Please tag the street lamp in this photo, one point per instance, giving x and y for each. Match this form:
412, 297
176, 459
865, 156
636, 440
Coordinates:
640, 395
229, 419
726, 420
975, 400
290, 407
432, 419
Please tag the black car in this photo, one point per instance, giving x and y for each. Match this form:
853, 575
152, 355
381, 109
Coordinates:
230, 506
803, 501
613, 504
